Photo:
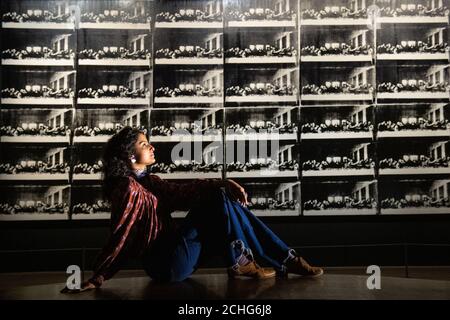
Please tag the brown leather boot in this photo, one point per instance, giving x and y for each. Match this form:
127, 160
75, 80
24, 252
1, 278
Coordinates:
299, 266
252, 270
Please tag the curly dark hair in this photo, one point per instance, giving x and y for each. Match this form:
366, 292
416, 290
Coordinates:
116, 157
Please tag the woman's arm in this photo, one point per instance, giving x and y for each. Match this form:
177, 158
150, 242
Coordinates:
129, 203
182, 196
236, 192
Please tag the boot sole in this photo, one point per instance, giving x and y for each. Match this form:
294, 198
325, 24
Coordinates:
239, 276
312, 275
306, 276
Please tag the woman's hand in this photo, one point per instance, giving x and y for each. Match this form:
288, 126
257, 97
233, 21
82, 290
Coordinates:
85, 286
236, 192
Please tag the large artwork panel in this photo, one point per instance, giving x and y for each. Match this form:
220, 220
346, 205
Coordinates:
317, 107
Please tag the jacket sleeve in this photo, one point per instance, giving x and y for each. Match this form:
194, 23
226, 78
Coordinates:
182, 196
128, 205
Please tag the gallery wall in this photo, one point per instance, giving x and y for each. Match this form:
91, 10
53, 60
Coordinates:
318, 108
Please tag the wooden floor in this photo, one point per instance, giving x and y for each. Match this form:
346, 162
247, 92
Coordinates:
335, 284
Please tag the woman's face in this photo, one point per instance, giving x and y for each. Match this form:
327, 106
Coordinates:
144, 152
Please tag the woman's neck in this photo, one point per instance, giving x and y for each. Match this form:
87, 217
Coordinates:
140, 172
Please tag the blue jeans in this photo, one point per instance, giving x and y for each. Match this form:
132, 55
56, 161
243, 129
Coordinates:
220, 225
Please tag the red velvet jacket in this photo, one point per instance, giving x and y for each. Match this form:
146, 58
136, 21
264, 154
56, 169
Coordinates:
140, 211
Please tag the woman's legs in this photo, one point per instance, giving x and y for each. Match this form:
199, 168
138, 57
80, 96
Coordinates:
258, 236
204, 231
186, 255
266, 243
223, 225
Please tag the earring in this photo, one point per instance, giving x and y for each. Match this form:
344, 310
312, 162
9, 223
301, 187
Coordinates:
133, 159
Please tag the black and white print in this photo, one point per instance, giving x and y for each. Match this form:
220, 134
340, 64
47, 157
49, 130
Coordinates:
318, 108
